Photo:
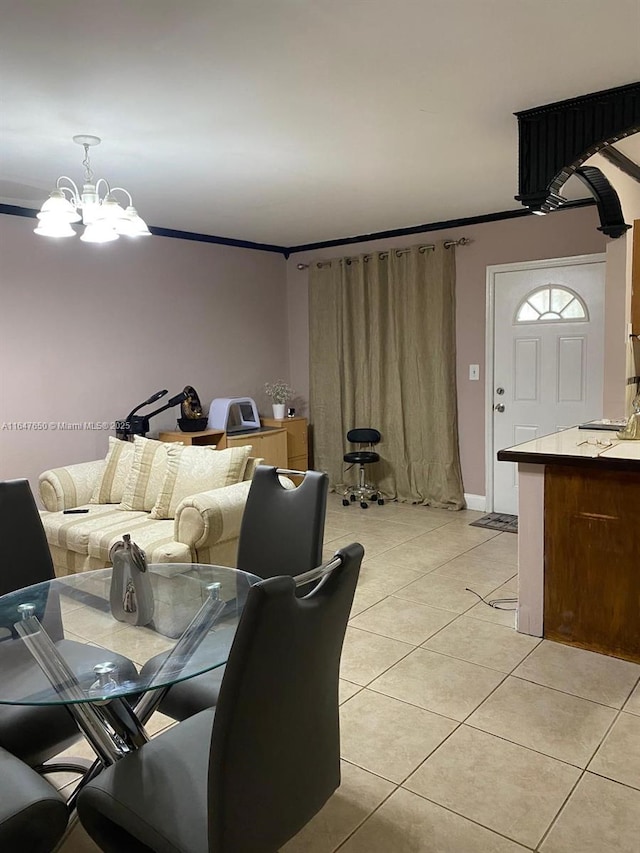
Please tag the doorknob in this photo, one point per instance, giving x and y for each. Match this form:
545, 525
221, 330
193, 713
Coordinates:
499, 407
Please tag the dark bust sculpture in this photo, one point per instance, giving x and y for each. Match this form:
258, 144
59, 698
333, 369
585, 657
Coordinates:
192, 419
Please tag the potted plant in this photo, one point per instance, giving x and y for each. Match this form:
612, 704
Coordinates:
280, 393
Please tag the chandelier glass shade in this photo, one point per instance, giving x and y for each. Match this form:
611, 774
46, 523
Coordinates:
103, 216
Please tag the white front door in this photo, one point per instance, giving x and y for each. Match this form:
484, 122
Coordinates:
548, 332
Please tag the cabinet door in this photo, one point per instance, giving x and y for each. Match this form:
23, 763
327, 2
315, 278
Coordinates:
591, 581
297, 440
297, 446
270, 446
298, 463
273, 448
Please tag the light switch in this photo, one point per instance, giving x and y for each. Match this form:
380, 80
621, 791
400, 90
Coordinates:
474, 372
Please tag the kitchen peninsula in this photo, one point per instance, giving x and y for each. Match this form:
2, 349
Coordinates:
579, 540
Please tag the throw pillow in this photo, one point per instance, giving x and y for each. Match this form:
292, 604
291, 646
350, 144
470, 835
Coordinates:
191, 470
147, 474
110, 487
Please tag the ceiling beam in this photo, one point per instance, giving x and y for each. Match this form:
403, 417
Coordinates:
609, 208
626, 164
556, 139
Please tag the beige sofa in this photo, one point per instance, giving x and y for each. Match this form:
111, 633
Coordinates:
205, 528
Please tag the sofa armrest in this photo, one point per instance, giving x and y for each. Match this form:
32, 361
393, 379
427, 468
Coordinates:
207, 518
65, 488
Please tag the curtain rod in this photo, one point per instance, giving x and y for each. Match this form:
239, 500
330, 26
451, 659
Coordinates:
463, 241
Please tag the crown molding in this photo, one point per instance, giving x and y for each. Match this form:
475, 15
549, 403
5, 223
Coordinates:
286, 251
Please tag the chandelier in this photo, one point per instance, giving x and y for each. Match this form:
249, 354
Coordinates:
104, 219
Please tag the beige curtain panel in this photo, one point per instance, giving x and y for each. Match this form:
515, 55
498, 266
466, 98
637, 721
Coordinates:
382, 355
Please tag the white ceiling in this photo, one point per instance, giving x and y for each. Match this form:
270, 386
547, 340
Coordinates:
295, 121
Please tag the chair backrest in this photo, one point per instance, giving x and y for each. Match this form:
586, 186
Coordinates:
275, 748
364, 435
33, 816
25, 558
282, 529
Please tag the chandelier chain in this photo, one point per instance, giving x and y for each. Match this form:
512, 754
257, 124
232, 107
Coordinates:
88, 171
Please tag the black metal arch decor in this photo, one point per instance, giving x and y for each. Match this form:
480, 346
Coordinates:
556, 139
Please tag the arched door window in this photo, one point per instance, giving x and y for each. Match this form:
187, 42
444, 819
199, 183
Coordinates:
551, 304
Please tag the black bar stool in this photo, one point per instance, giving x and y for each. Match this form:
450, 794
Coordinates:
366, 439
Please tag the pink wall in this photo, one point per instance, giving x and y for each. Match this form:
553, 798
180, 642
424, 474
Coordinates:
87, 332
565, 233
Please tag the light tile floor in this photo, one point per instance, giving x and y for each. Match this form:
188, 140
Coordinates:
460, 735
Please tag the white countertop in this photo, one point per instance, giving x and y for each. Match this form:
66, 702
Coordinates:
585, 443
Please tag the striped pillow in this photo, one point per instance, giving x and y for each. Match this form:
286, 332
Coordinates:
110, 487
191, 470
147, 474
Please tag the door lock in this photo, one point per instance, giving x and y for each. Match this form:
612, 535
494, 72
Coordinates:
499, 390
499, 407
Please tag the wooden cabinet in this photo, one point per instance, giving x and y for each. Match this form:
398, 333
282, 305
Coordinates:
268, 444
591, 574
297, 441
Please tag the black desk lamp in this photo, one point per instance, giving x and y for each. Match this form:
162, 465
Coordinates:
139, 424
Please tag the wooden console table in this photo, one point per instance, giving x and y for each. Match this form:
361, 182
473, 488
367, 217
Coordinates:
196, 439
268, 444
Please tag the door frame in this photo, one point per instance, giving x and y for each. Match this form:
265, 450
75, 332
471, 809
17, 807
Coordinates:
492, 270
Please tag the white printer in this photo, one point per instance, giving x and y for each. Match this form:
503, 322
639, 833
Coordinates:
233, 414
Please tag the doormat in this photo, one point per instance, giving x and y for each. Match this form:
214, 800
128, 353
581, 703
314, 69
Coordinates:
497, 521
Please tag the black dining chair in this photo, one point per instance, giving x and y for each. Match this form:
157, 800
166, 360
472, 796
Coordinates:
282, 532
35, 733
366, 438
33, 815
282, 529
248, 776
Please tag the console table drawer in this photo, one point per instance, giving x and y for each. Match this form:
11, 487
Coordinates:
270, 446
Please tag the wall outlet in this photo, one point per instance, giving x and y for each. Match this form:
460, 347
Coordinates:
474, 372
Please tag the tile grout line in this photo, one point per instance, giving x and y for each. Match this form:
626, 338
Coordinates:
582, 771
565, 692
601, 775
496, 624
560, 810
477, 728
495, 589
360, 825
369, 683
463, 817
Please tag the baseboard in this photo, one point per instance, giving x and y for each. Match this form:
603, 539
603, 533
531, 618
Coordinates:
478, 502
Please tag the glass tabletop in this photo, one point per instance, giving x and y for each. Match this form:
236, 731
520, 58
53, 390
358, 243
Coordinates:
60, 643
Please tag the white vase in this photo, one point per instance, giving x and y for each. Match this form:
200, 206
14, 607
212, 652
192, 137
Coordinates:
279, 411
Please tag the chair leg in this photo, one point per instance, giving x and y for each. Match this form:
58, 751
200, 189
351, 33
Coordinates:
363, 492
362, 488
74, 765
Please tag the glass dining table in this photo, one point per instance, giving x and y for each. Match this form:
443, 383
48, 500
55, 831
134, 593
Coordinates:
60, 644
